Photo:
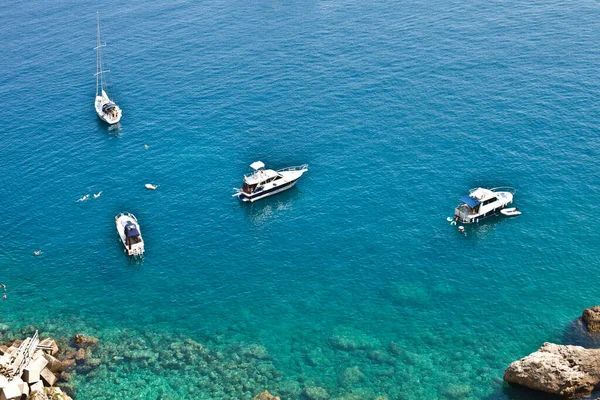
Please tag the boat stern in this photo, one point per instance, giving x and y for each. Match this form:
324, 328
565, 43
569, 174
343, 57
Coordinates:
462, 214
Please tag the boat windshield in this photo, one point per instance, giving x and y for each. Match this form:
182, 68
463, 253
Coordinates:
108, 107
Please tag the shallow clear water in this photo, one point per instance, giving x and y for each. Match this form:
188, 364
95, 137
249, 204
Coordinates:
398, 107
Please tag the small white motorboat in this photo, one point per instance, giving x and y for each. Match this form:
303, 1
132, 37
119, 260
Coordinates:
267, 182
511, 212
482, 203
130, 233
150, 186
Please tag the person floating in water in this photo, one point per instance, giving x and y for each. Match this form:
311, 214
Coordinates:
4, 296
4, 287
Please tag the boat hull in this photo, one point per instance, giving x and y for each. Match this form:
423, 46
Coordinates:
261, 195
477, 218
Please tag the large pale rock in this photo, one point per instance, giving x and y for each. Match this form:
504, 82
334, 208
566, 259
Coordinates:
50, 344
37, 387
24, 387
37, 354
10, 392
48, 377
54, 364
591, 318
568, 371
39, 363
31, 374
3, 381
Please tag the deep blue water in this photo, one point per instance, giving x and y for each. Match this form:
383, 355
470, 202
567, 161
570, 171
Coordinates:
398, 108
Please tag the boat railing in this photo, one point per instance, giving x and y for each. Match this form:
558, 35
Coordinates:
508, 189
295, 168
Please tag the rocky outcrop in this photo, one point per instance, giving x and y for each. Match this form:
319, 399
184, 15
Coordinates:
37, 378
315, 393
591, 318
265, 396
85, 342
568, 371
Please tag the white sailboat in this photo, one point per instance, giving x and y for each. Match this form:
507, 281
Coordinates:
106, 109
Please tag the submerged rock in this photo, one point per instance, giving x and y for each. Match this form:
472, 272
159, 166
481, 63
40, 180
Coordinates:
315, 393
85, 342
568, 371
395, 348
591, 318
454, 391
352, 376
346, 343
265, 396
255, 351
381, 357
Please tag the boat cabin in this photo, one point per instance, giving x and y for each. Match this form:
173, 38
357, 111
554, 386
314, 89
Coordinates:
132, 235
111, 109
481, 203
259, 177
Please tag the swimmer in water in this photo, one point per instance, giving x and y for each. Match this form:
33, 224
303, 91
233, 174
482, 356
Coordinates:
4, 296
4, 287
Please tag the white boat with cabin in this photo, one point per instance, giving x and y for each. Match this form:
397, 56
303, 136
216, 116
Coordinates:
266, 182
130, 233
482, 203
107, 110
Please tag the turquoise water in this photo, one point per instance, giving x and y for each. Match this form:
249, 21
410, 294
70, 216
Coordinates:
353, 281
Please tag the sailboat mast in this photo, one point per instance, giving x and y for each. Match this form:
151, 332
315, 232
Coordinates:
98, 56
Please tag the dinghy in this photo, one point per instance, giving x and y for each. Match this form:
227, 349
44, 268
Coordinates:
511, 212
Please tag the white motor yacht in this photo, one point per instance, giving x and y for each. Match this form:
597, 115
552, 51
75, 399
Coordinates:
266, 182
130, 233
482, 203
107, 110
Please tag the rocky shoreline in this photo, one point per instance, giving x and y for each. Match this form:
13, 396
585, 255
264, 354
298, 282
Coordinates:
48, 374
230, 370
562, 370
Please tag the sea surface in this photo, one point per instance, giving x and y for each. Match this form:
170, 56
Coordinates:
352, 285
